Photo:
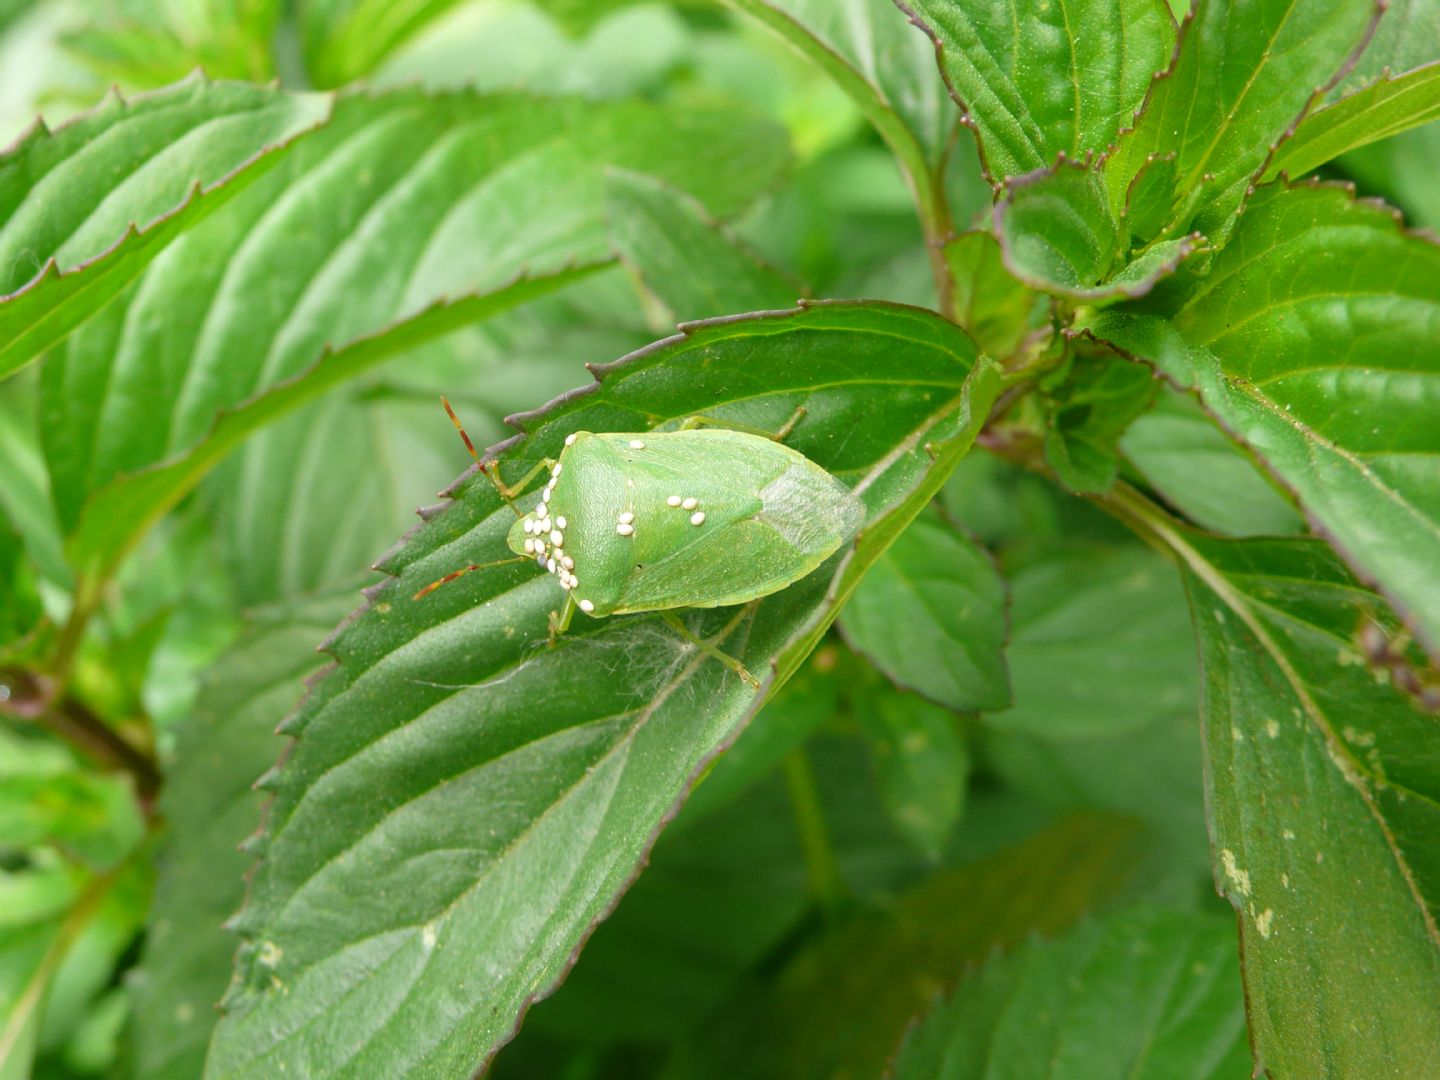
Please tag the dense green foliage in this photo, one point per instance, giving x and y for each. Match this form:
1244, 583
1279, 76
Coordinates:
1140, 399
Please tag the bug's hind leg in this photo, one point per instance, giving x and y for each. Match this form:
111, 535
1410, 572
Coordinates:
709, 650
428, 589
690, 423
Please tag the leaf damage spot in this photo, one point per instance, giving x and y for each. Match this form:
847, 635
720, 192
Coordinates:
270, 954
1239, 879
1272, 728
1264, 922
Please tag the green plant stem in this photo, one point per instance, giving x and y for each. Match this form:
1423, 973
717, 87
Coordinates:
826, 884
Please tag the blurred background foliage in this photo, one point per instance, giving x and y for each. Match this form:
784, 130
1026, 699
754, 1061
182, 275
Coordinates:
865, 844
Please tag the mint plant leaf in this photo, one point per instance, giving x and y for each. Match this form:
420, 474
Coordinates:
1404, 39
1319, 295
1059, 235
1349, 796
310, 258
931, 615
1087, 415
1386, 107
1038, 80
609, 765
685, 259
885, 66
1195, 468
1143, 993
1241, 78
990, 303
68, 244
210, 808
1101, 644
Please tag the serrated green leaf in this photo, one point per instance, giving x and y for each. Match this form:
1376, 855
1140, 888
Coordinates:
922, 765
885, 66
1040, 80
1181, 453
1322, 793
141, 43
344, 40
1404, 39
210, 807
402, 200
1320, 299
931, 615
687, 261
1100, 645
1386, 107
841, 1005
1059, 235
1145, 993
564, 811
1087, 415
992, 306
164, 161
1241, 77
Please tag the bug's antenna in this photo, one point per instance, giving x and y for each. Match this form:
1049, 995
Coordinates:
428, 589
459, 426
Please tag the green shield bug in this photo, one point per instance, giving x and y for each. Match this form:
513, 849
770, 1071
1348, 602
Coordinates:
710, 515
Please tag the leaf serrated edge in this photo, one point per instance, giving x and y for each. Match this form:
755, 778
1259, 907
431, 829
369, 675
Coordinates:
1380, 209
229, 426
243, 923
1190, 244
114, 100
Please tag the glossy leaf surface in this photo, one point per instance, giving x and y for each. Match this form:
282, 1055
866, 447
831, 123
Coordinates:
1039, 79
1242, 76
1320, 298
311, 258
69, 243
565, 809
1386, 107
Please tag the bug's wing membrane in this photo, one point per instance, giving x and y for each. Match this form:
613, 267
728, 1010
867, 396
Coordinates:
804, 516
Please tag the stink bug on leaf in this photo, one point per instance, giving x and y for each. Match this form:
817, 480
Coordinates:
707, 516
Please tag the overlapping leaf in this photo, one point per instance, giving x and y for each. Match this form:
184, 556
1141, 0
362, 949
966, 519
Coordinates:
885, 65
1145, 993
1323, 797
83, 209
1386, 107
686, 261
210, 808
1241, 78
1040, 80
1320, 300
403, 200
453, 765
1195, 468
931, 615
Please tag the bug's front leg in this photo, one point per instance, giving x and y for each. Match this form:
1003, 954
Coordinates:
560, 620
